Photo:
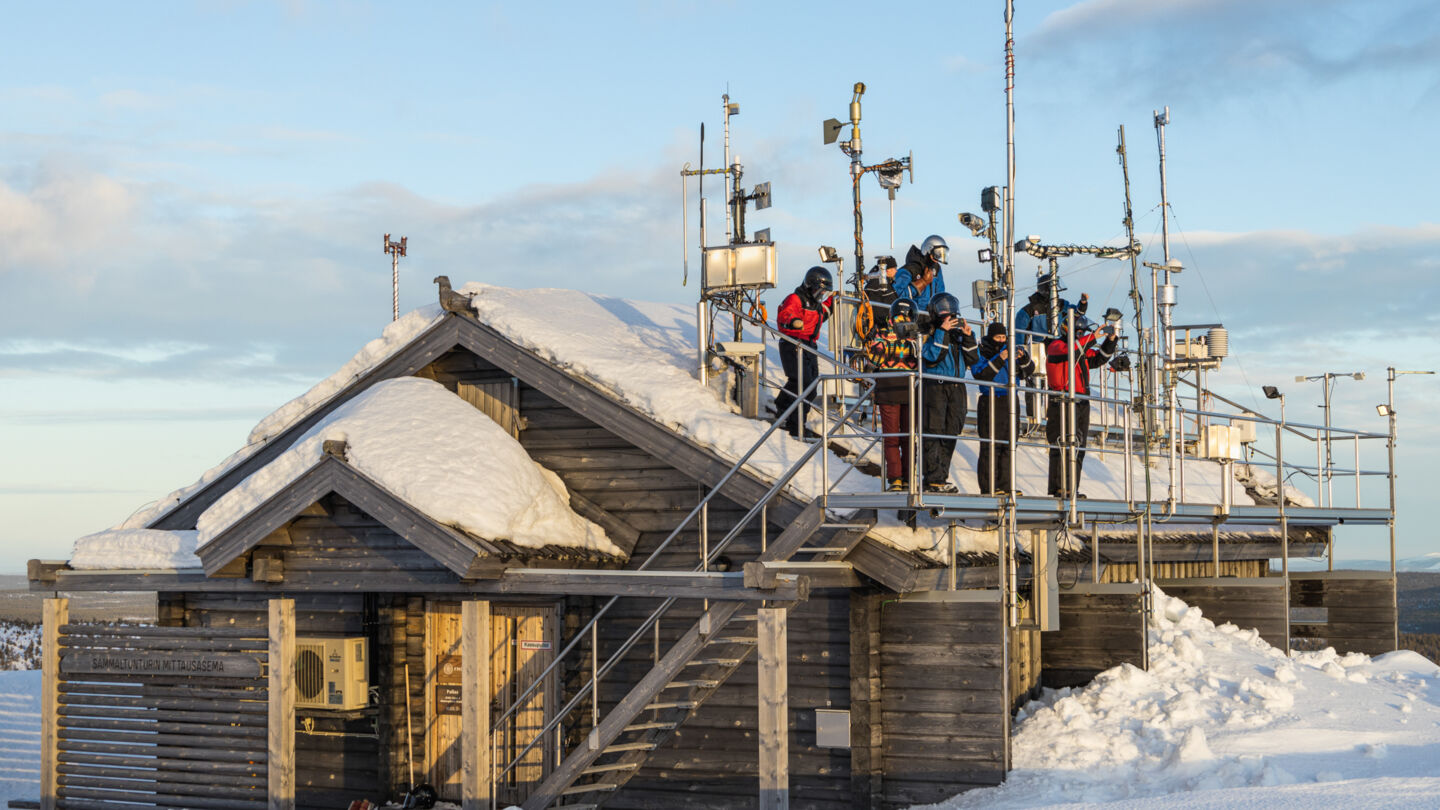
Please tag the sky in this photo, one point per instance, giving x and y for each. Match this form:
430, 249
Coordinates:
193, 195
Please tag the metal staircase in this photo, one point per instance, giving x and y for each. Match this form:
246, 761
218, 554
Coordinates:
676, 684
695, 667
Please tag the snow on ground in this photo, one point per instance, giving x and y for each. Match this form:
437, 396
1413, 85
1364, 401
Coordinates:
1222, 719
19, 735
438, 453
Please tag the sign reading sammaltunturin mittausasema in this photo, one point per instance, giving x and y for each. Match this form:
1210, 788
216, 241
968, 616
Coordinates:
160, 662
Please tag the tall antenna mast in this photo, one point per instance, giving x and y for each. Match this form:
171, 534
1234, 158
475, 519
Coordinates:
395, 250
1009, 213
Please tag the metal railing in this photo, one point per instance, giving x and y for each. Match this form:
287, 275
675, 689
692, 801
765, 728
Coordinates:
709, 554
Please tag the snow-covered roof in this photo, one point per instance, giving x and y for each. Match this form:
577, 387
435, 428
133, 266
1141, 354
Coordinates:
422, 443
643, 354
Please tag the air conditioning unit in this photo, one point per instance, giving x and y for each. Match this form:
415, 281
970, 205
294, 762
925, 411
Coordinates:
332, 673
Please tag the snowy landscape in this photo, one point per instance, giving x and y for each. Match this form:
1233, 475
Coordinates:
1221, 719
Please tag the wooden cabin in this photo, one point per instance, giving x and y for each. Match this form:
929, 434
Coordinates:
741, 645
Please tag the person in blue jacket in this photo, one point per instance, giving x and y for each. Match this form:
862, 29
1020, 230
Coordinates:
948, 351
992, 414
921, 278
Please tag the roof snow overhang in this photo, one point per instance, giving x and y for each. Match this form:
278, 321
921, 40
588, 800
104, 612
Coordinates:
466, 556
586, 398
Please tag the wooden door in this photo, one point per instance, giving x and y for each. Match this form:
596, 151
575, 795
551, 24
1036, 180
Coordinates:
522, 646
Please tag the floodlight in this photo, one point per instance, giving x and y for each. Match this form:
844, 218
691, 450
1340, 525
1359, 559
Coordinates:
763, 236
974, 223
985, 255
1112, 315
1301, 379
828, 254
1359, 375
1384, 410
832, 130
1271, 392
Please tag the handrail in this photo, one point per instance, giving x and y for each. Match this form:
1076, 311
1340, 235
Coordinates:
629, 643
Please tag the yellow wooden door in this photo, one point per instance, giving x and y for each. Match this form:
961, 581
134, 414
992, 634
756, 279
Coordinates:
522, 646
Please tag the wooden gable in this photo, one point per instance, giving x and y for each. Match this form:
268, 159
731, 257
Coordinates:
465, 556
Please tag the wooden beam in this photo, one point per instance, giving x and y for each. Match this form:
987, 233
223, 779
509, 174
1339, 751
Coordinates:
280, 747
475, 784
268, 565
820, 574
774, 709
56, 614
42, 572
713, 585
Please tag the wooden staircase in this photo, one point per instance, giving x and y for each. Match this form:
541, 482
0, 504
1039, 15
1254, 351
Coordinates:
696, 666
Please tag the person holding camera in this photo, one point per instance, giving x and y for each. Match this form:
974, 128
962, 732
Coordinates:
921, 278
800, 317
948, 352
894, 348
992, 413
1061, 375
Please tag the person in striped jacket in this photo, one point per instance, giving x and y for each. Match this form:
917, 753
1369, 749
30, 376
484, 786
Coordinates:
893, 348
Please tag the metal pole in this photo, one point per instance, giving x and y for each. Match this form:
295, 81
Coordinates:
1284, 525
1329, 459
394, 286
729, 201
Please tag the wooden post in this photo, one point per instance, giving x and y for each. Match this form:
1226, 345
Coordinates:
280, 764
774, 709
56, 612
475, 782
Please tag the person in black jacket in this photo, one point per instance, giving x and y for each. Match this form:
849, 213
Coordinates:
880, 290
993, 412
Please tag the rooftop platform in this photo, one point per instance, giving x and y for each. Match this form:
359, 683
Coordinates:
1044, 510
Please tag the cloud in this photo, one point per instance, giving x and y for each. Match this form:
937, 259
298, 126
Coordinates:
62, 220
1191, 48
114, 278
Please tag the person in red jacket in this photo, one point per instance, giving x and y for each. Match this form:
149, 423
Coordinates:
1059, 433
799, 317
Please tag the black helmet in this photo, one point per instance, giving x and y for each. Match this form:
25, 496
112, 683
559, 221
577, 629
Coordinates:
934, 247
903, 308
942, 305
817, 280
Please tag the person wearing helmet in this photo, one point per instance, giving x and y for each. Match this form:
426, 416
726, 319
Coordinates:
992, 412
799, 317
921, 279
948, 352
880, 290
1059, 433
894, 348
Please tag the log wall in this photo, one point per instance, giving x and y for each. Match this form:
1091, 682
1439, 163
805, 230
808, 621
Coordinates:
1250, 604
1352, 611
1101, 626
133, 728
944, 714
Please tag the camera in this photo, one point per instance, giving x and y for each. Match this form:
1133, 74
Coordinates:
906, 330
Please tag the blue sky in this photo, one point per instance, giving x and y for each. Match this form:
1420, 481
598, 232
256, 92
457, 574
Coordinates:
192, 196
